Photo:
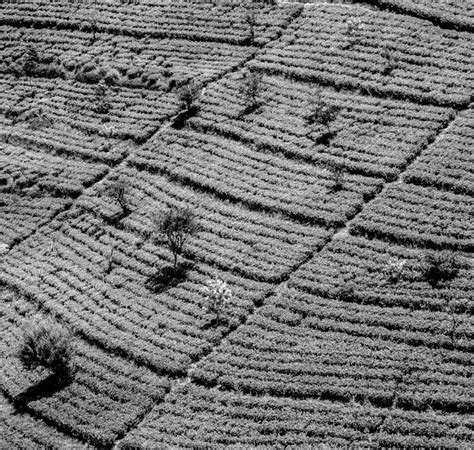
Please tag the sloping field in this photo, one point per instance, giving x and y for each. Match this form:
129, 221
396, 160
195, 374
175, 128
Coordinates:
326, 156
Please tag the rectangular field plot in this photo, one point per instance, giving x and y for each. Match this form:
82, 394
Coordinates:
370, 136
99, 280
21, 215
196, 416
62, 140
28, 169
20, 430
259, 179
383, 53
131, 113
193, 20
105, 397
449, 162
256, 245
281, 353
406, 213
122, 60
372, 272
449, 13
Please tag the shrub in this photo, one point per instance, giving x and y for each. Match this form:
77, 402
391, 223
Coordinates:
218, 295
48, 344
391, 63
347, 292
354, 27
251, 91
177, 225
395, 269
440, 267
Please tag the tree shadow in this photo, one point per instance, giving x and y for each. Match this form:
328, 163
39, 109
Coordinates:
325, 138
45, 388
169, 276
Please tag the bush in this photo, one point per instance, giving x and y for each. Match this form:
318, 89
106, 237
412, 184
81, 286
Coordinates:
177, 225
441, 267
48, 344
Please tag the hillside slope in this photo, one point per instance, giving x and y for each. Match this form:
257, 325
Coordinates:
320, 198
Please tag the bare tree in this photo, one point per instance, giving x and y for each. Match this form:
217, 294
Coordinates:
251, 91
177, 225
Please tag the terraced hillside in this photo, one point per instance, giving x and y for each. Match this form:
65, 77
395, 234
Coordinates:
321, 198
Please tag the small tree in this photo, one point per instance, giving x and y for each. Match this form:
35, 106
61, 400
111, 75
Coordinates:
177, 225
188, 95
119, 192
218, 295
440, 267
251, 21
102, 104
456, 311
48, 344
321, 113
337, 176
251, 90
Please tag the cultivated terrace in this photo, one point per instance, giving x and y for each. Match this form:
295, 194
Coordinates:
236, 224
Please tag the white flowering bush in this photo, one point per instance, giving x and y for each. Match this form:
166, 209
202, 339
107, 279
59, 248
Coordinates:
354, 25
218, 295
395, 269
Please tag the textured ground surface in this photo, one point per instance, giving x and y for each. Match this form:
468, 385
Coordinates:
334, 334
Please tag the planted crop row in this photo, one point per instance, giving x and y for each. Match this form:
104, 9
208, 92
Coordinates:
97, 279
63, 140
260, 180
387, 54
370, 136
25, 168
20, 430
254, 244
194, 20
459, 15
131, 113
448, 163
121, 60
434, 329
320, 360
196, 416
106, 395
406, 213
22, 215
374, 272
